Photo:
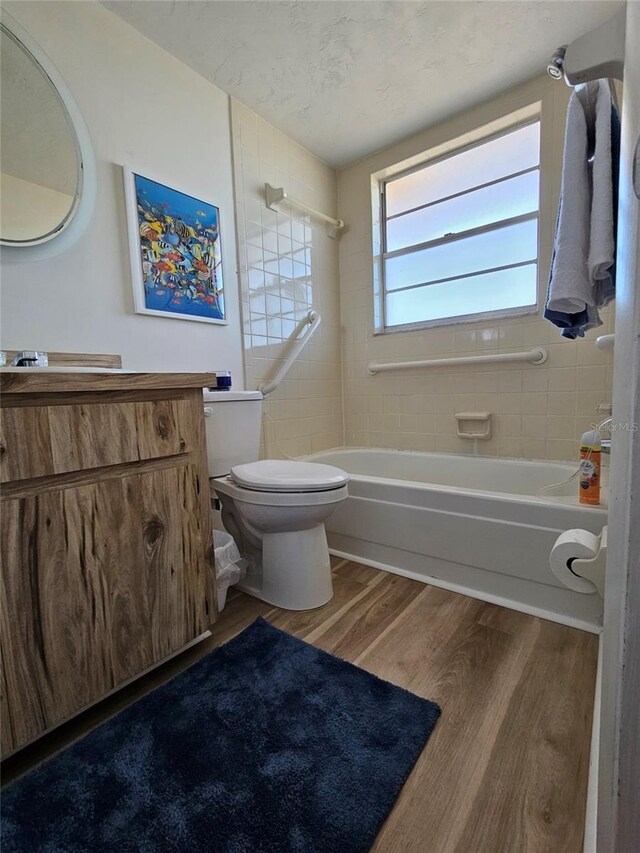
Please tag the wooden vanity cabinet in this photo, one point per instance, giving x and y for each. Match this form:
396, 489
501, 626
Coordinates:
107, 557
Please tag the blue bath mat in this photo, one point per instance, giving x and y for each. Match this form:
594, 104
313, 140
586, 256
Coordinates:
267, 745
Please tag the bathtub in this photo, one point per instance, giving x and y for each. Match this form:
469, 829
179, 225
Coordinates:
471, 524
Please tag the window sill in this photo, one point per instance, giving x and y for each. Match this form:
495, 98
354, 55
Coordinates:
463, 320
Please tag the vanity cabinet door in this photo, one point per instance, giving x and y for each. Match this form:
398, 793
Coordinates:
100, 582
40, 441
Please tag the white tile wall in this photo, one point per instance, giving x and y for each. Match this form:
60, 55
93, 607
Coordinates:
539, 411
287, 265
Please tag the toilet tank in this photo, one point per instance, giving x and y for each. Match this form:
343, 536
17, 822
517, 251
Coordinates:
232, 422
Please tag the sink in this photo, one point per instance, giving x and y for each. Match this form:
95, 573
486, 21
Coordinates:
57, 369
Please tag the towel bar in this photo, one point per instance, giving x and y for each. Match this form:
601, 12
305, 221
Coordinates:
274, 195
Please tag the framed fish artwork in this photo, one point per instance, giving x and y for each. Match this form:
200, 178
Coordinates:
176, 257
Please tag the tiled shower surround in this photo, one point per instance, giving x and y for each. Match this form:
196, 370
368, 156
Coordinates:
539, 412
288, 264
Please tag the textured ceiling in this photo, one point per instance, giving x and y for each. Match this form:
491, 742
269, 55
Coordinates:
346, 78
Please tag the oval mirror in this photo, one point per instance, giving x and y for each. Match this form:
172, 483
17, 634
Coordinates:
46, 160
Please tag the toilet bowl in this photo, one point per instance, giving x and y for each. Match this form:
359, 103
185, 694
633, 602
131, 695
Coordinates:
275, 510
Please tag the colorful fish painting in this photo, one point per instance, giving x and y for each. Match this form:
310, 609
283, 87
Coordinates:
179, 252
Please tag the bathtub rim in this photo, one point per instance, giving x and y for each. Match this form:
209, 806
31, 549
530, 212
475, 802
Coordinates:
419, 485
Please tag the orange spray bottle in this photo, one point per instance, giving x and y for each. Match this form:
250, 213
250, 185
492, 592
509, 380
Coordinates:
590, 453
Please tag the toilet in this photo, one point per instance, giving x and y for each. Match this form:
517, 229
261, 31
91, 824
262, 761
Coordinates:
274, 509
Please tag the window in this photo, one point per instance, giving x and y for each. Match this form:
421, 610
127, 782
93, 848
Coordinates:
460, 233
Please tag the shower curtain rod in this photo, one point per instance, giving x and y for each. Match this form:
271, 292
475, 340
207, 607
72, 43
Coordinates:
594, 56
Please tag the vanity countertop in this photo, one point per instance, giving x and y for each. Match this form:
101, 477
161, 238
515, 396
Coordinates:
52, 382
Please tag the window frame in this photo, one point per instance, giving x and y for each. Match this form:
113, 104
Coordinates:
380, 290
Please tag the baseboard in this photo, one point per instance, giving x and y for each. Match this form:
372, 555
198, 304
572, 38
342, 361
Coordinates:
490, 598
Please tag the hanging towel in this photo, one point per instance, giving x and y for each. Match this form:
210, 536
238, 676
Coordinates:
604, 205
582, 275
602, 247
569, 287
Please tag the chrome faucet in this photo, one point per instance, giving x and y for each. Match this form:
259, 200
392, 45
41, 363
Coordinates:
605, 443
30, 358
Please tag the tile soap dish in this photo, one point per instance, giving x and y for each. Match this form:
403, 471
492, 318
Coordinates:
475, 425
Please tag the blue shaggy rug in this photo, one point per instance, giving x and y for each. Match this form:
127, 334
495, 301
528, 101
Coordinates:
267, 745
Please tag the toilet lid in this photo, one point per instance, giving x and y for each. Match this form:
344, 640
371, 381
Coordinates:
278, 475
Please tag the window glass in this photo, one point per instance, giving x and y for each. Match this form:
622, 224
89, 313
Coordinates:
488, 292
510, 153
460, 235
498, 248
513, 197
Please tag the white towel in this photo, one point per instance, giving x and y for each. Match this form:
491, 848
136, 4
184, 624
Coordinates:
602, 248
584, 253
570, 287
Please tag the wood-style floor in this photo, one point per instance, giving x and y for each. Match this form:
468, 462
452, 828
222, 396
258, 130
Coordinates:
506, 768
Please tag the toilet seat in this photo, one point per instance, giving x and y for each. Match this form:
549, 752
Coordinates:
226, 486
278, 475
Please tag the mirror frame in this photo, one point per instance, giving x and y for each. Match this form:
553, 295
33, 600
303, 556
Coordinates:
69, 231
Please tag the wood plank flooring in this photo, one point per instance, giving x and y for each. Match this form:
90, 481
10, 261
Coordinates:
505, 770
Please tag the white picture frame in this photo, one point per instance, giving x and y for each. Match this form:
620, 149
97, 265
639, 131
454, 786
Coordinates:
175, 251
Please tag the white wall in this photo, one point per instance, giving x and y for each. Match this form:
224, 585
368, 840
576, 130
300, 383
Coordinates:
147, 109
619, 766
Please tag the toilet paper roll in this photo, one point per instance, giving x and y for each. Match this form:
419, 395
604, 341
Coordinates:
568, 546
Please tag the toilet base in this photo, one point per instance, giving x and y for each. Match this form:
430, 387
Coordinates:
295, 572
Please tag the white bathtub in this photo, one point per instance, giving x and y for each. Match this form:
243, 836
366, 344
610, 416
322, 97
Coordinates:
468, 523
